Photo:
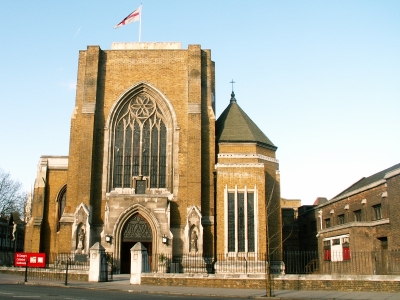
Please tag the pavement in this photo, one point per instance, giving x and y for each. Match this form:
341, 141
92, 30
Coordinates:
121, 283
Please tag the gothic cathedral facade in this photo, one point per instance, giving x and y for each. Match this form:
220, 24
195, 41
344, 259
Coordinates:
148, 162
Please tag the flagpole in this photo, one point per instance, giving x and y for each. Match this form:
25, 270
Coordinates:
140, 21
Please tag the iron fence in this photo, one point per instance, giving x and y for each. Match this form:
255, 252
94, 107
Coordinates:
380, 262
75, 261
6, 258
58, 265
49, 273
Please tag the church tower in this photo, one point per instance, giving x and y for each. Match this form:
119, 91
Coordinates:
248, 188
141, 156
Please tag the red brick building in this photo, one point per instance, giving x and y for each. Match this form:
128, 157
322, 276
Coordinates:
362, 219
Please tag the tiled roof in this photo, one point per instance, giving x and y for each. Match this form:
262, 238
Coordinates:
365, 181
234, 125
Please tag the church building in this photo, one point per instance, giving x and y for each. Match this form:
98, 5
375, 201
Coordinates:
149, 162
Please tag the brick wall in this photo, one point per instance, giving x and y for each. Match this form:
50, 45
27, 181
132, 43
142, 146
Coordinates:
186, 79
290, 282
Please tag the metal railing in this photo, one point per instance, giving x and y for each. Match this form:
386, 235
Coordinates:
76, 261
380, 262
7, 258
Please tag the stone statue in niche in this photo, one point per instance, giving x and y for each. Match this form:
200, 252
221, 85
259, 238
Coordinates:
81, 240
193, 240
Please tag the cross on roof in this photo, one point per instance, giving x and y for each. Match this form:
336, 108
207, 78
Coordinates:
232, 84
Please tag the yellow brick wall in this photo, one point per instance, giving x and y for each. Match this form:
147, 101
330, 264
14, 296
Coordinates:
247, 172
185, 77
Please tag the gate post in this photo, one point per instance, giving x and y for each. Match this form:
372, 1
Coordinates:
138, 262
96, 252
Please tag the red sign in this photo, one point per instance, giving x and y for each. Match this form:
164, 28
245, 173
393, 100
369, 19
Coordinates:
35, 260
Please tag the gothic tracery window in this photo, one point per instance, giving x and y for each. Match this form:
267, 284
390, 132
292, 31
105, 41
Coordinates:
139, 144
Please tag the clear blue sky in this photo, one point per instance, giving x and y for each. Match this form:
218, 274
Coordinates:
320, 78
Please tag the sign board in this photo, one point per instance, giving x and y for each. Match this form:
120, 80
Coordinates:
35, 260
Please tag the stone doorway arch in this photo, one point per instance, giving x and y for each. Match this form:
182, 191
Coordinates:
136, 229
136, 224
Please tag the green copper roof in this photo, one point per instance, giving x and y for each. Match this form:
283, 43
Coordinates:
235, 126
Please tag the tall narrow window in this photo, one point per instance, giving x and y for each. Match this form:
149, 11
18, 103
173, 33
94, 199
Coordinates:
241, 222
250, 223
231, 222
61, 202
139, 144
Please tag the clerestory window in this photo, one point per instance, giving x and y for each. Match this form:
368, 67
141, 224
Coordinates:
139, 145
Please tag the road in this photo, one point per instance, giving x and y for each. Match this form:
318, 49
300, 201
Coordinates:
21, 291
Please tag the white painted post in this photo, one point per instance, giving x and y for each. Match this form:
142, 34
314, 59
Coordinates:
138, 255
96, 252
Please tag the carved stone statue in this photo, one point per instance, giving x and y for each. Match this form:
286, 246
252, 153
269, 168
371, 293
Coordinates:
193, 241
81, 239
14, 231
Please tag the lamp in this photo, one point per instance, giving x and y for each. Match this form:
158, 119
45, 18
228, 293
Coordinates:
108, 238
165, 239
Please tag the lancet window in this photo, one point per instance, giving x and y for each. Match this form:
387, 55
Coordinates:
61, 201
241, 229
139, 145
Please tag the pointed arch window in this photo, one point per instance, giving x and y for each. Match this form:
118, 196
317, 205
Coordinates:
139, 145
61, 202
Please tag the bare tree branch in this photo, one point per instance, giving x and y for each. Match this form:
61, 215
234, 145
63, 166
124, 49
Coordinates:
12, 198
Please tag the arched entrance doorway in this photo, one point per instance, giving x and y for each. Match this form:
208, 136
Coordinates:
136, 229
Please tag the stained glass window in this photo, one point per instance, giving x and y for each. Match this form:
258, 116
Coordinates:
139, 144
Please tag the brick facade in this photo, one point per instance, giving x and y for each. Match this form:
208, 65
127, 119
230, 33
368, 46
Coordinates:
179, 87
359, 222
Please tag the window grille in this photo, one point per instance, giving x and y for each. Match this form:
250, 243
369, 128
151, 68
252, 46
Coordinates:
139, 144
